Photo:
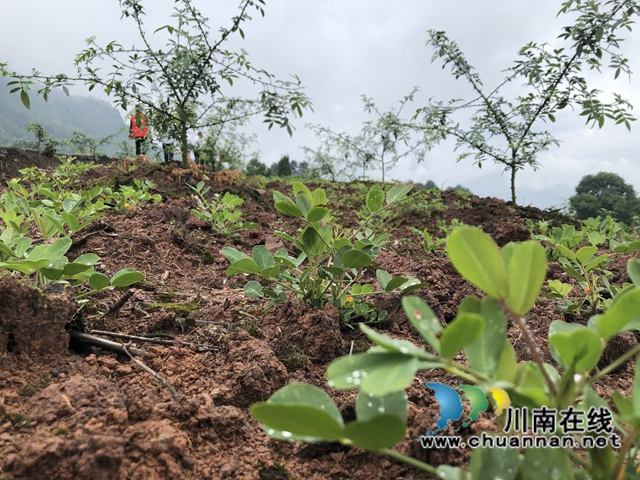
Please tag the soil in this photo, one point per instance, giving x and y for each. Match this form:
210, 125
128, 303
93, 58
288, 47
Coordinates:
69, 411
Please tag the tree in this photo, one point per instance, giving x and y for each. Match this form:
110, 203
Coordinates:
283, 167
224, 142
502, 130
86, 145
605, 194
381, 143
178, 85
256, 167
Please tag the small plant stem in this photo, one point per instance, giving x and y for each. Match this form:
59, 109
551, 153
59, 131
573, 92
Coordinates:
471, 371
618, 470
459, 373
410, 460
612, 366
576, 458
531, 343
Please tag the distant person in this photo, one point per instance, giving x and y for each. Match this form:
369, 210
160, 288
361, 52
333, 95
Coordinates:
167, 144
195, 142
138, 129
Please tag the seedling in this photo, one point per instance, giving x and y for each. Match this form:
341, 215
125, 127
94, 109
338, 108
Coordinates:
332, 265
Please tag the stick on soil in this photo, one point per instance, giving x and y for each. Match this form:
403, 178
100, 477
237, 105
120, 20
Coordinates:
87, 339
156, 375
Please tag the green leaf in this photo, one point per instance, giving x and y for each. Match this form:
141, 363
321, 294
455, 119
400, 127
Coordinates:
465, 329
262, 256
98, 281
233, 254
394, 283
396, 345
312, 242
270, 272
635, 390
75, 268
244, 265
294, 421
377, 373
319, 197
253, 289
526, 273
476, 256
317, 213
446, 472
495, 464
507, 365
624, 309
304, 203
574, 346
289, 209
484, 354
26, 266
546, 463
70, 220
584, 254
423, 319
633, 267
87, 259
24, 96
301, 187
52, 251
304, 393
622, 403
562, 288
355, 258
383, 278
394, 403
382, 431
126, 277
397, 193
375, 199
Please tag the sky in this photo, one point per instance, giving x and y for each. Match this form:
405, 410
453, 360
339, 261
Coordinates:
344, 49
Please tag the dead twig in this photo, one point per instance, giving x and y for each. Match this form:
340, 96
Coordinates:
151, 372
87, 339
157, 341
120, 303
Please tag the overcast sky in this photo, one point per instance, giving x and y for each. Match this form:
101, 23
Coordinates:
342, 49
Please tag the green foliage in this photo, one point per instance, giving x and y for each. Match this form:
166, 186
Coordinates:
332, 264
256, 167
181, 82
220, 212
575, 251
512, 279
503, 130
605, 194
282, 168
380, 145
128, 197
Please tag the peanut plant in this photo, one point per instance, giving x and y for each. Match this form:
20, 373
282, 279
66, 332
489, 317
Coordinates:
511, 278
332, 264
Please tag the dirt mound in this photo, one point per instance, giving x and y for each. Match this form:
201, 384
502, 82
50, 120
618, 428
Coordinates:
31, 322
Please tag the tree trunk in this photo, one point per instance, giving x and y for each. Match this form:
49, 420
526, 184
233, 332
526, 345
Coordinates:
513, 183
184, 147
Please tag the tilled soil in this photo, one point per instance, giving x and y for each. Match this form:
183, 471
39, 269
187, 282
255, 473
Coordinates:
87, 413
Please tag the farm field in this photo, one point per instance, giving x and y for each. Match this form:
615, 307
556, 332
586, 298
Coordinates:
72, 411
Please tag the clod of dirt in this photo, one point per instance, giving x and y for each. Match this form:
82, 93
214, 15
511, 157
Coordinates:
616, 347
315, 332
250, 373
33, 323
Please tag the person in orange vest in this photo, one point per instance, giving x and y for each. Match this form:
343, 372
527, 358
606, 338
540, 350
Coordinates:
138, 129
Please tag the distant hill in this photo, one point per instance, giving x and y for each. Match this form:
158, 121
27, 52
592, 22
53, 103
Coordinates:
60, 116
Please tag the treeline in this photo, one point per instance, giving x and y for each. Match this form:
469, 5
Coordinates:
60, 117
